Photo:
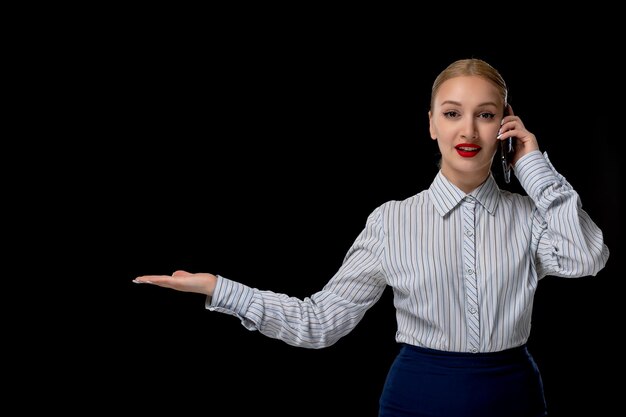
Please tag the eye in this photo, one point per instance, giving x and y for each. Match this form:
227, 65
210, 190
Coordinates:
451, 114
486, 115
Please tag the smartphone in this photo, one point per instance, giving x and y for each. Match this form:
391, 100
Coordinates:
507, 149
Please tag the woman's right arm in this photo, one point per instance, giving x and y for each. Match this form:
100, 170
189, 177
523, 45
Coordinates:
313, 322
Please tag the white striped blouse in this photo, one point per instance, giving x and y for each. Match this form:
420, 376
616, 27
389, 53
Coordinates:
463, 267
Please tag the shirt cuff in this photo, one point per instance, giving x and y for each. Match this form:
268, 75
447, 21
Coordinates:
536, 173
230, 297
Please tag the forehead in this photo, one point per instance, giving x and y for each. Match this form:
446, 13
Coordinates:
468, 90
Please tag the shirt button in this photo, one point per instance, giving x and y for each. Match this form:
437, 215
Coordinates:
469, 233
472, 310
474, 350
470, 271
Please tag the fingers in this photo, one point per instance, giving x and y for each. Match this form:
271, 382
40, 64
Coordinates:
161, 280
511, 127
508, 117
505, 132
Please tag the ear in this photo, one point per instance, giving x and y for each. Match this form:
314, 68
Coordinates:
431, 128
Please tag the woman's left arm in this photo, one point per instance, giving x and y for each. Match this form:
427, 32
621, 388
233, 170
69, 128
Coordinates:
567, 240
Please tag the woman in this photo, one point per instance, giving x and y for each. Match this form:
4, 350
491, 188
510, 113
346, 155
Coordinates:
463, 259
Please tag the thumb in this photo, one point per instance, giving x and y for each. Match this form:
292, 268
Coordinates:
181, 273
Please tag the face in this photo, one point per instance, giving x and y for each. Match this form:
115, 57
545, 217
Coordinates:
464, 121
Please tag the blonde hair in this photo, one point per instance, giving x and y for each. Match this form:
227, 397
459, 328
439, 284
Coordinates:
467, 67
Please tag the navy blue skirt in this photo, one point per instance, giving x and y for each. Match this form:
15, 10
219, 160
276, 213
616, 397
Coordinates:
431, 383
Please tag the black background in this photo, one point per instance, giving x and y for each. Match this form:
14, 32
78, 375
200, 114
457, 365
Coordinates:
256, 150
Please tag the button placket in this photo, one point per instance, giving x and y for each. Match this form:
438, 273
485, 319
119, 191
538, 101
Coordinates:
470, 280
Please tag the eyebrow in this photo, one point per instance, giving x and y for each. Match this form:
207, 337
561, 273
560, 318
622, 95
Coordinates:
456, 103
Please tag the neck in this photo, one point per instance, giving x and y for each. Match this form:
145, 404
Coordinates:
464, 181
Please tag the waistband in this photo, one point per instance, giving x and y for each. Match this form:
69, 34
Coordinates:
503, 356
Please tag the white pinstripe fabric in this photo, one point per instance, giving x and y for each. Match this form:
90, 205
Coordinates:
463, 268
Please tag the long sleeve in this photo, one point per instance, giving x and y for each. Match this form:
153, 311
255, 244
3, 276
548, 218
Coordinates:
567, 242
322, 319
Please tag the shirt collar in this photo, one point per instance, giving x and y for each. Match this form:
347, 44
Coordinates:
446, 196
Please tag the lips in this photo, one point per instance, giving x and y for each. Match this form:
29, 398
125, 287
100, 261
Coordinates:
467, 150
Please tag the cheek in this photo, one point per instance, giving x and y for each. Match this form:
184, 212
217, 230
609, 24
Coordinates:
490, 130
490, 133
492, 148
440, 131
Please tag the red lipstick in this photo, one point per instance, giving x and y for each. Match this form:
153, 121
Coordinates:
467, 150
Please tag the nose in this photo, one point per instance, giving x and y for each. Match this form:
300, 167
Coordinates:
468, 130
